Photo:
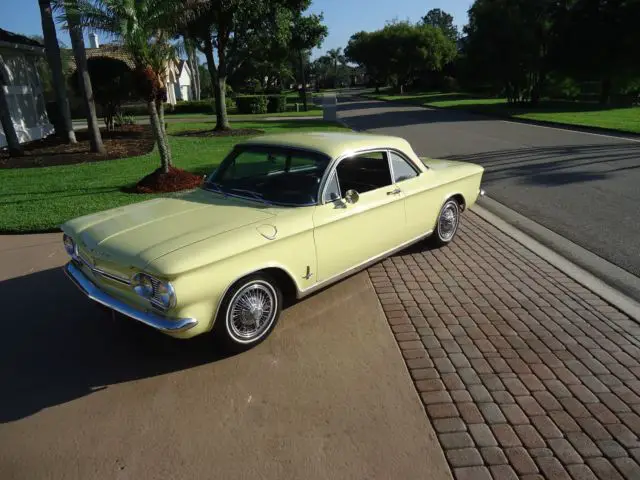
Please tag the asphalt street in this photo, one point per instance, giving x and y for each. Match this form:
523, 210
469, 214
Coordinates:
585, 187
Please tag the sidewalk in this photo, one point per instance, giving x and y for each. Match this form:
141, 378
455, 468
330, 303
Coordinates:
523, 372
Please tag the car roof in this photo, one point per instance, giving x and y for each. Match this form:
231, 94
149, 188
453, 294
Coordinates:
333, 144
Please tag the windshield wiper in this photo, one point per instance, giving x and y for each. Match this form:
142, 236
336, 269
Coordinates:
255, 195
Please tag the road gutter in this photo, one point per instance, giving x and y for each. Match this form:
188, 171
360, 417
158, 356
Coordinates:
615, 285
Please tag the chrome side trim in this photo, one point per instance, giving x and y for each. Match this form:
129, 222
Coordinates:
361, 266
148, 318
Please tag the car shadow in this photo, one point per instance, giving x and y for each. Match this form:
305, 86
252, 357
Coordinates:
57, 346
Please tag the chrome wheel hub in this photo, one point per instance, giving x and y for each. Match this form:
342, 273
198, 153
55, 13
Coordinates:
448, 222
251, 311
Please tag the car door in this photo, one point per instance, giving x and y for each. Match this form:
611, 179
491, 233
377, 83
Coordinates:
420, 195
350, 234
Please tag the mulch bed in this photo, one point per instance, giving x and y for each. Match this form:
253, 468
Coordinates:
173, 181
234, 132
126, 141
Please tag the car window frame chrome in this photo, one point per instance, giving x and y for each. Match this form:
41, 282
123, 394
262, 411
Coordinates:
403, 157
334, 165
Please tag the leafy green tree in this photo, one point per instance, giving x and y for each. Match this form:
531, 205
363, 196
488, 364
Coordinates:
443, 21
364, 49
235, 29
508, 43
401, 51
598, 40
307, 32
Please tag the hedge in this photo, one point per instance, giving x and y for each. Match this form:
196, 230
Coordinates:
248, 104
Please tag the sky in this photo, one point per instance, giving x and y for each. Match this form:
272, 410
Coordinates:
343, 17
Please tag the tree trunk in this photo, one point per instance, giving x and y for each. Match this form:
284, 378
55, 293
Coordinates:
163, 127
605, 91
303, 82
197, 76
222, 123
15, 149
77, 43
156, 127
64, 128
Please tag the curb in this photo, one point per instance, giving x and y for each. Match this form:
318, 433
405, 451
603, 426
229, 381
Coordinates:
615, 285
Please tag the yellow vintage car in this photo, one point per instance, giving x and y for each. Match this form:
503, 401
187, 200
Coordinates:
282, 216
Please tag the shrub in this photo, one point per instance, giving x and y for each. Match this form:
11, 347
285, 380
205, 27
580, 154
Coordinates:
277, 103
121, 119
195, 106
259, 105
251, 104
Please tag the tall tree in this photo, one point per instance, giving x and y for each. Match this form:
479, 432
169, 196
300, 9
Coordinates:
401, 52
52, 50
15, 149
307, 32
443, 21
508, 44
598, 40
337, 59
234, 30
72, 15
140, 26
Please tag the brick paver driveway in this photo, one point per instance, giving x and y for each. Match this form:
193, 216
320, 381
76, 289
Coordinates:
523, 372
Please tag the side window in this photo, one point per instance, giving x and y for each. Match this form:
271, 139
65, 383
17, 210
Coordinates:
364, 172
332, 192
401, 168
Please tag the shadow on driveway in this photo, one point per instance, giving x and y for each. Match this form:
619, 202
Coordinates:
57, 346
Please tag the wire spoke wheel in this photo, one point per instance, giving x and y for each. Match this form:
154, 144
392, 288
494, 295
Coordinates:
251, 311
448, 221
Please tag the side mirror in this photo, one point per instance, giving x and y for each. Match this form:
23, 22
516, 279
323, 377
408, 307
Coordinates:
351, 197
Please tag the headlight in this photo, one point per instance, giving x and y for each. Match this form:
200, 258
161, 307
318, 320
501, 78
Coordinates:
164, 294
69, 245
157, 291
142, 285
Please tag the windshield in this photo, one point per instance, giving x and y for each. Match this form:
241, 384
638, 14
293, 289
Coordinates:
271, 175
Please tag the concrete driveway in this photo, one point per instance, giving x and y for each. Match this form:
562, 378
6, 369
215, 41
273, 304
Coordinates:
580, 185
85, 396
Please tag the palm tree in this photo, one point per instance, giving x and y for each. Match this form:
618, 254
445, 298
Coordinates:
335, 54
139, 25
15, 149
55, 64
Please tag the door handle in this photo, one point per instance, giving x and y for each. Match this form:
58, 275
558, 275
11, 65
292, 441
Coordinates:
397, 191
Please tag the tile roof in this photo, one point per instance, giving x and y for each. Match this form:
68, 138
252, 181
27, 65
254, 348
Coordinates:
10, 37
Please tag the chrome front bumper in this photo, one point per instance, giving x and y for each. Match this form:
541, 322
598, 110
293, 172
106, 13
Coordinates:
148, 318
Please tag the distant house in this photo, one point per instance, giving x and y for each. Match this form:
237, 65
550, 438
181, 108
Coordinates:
183, 85
171, 74
22, 86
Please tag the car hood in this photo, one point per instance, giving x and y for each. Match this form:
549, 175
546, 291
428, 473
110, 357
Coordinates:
135, 235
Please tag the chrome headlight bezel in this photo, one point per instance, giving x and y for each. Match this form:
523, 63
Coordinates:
159, 292
70, 246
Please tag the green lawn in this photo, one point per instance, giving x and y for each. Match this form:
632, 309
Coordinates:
314, 111
40, 199
570, 113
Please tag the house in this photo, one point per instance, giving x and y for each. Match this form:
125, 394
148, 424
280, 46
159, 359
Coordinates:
21, 83
171, 74
183, 84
